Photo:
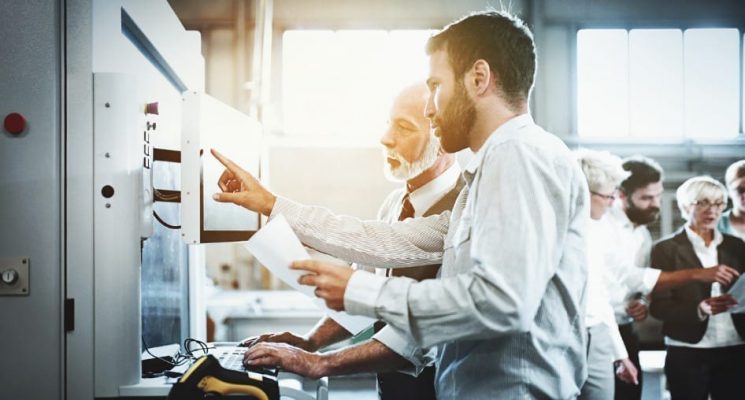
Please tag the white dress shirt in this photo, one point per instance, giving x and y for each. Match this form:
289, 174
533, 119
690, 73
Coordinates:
508, 309
422, 199
721, 330
627, 261
599, 309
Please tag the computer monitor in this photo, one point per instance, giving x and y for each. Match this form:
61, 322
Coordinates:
209, 123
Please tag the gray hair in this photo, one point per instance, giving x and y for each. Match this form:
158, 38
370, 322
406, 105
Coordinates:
601, 168
696, 189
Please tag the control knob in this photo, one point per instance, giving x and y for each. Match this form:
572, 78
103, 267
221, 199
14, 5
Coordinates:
10, 276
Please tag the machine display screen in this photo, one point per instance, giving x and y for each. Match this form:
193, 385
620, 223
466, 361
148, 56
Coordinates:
211, 124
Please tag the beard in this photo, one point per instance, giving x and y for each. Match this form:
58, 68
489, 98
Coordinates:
407, 170
456, 120
641, 216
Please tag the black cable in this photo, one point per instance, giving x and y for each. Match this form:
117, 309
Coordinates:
164, 223
179, 358
147, 349
202, 347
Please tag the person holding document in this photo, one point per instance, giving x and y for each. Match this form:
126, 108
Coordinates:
431, 181
705, 342
507, 310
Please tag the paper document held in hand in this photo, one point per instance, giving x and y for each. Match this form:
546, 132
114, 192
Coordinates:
276, 246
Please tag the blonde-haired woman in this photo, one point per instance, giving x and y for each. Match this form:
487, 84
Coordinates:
604, 172
705, 343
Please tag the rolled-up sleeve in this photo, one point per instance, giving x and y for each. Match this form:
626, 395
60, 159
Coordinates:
641, 279
649, 280
363, 289
410, 243
402, 345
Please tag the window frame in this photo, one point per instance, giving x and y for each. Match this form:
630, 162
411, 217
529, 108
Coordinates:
573, 52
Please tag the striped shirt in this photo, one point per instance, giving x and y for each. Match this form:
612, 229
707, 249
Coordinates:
507, 312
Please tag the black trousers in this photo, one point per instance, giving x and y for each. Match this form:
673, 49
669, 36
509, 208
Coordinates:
625, 391
400, 386
697, 373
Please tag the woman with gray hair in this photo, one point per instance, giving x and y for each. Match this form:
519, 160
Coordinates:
604, 172
705, 343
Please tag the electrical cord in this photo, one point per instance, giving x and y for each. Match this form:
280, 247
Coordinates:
181, 358
177, 359
164, 223
202, 347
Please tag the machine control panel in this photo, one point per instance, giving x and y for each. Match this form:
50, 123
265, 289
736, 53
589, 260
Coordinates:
14, 276
149, 128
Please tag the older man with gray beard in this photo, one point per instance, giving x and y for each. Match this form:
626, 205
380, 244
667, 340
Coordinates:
413, 155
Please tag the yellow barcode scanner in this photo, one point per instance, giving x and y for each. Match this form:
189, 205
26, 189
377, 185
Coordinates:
206, 377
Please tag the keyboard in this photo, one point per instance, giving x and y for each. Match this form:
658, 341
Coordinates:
232, 358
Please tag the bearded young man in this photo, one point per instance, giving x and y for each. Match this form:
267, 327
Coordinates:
506, 311
629, 245
432, 182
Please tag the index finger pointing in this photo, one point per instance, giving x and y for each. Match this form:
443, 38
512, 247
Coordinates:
230, 165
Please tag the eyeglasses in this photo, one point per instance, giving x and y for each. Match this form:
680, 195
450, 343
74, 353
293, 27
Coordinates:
608, 197
706, 205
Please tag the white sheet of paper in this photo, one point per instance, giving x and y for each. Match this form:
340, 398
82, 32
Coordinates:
738, 292
276, 246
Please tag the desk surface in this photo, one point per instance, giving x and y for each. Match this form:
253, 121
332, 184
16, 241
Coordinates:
290, 385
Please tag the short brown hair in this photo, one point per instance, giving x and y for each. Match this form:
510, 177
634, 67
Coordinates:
500, 39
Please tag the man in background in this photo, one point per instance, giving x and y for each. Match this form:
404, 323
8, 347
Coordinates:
432, 182
629, 278
627, 262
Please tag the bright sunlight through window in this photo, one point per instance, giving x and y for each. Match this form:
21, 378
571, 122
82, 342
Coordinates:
339, 84
653, 83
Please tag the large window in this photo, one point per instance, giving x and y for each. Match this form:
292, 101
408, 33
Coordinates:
656, 83
339, 84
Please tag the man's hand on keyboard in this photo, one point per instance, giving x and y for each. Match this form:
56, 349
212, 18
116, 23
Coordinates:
283, 337
286, 357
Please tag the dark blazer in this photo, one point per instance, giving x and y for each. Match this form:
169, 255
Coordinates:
678, 307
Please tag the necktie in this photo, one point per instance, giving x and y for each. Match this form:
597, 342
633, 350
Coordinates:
407, 210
